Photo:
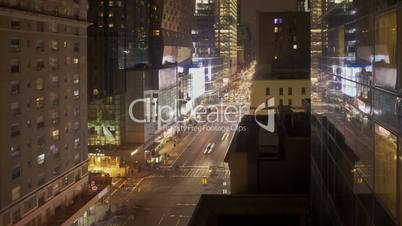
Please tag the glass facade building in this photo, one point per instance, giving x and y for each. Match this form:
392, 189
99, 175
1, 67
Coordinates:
356, 109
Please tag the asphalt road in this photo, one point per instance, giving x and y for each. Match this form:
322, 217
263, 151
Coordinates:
169, 196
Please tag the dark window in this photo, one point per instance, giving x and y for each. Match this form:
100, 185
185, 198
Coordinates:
15, 24
40, 26
267, 91
281, 91
15, 66
76, 47
290, 91
16, 172
15, 130
303, 91
15, 45
15, 87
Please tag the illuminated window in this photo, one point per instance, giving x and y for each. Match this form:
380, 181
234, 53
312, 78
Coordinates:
276, 57
156, 32
40, 159
40, 84
278, 20
76, 60
95, 92
276, 29
110, 3
76, 94
385, 58
101, 14
76, 78
295, 46
15, 193
54, 45
76, 143
111, 25
110, 14
40, 102
56, 134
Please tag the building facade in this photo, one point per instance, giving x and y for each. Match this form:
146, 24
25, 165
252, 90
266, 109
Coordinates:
356, 107
226, 34
44, 98
283, 60
131, 35
119, 38
286, 92
283, 43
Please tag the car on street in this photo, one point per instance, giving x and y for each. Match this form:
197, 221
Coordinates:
209, 148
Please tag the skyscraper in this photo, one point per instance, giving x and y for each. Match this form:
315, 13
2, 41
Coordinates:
135, 49
356, 123
118, 39
44, 99
226, 34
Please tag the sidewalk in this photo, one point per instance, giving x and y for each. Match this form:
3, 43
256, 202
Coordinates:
174, 151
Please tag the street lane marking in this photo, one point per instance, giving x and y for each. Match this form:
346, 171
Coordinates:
186, 204
160, 221
185, 149
138, 184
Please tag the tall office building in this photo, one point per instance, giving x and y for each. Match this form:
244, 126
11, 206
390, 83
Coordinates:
283, 43
135, 49
118, 39
283, 60
356, 123
157, 82
316, 29
226, 34
206, 65
44, 108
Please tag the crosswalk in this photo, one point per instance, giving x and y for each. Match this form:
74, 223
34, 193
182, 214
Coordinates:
202, 172
193, 172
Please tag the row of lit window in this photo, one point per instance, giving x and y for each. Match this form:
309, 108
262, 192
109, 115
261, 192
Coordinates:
40, 124
16, 24
15, 64
40, 102
39, 197
16, 45
40, 83
16, 173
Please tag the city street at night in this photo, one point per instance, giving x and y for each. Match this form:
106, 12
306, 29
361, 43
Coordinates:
168, 196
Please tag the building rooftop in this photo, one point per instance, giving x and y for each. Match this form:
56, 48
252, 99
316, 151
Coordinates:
256, 210
255, 155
